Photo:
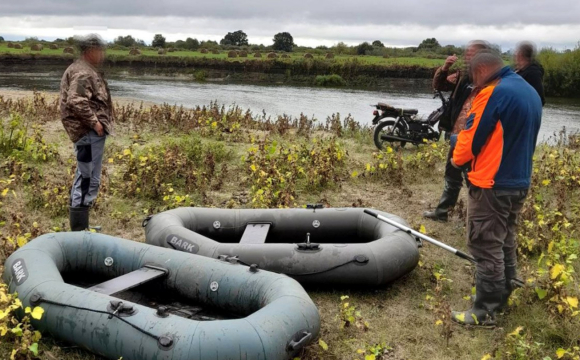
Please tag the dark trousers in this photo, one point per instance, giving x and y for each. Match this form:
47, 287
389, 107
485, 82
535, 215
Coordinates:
492, 217
453, 175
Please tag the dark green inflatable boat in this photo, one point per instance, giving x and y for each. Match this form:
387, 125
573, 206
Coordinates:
314, 245
83, 280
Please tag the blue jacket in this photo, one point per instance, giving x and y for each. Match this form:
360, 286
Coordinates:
501, 133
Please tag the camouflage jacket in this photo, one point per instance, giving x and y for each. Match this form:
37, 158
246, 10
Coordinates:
84, 99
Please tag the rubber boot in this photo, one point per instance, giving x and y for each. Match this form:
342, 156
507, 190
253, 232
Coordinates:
448, 200
79, 218
488, 298
510, 274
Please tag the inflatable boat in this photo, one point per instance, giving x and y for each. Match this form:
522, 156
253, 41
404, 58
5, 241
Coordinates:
119, 298
314, 245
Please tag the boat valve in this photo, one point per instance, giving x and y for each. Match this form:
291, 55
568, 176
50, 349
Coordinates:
165, 342
162, 312
254, 268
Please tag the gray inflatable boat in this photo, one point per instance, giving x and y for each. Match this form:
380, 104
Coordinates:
97, 293
313, 245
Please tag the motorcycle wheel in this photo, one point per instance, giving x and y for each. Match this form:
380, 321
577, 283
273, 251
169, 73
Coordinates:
387, 127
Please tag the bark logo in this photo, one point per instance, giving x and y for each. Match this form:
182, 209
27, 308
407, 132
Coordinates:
181, 244
19, 271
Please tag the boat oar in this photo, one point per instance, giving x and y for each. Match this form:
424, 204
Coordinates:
408, 230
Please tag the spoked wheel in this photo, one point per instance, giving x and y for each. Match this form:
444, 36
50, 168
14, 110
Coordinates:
386, 128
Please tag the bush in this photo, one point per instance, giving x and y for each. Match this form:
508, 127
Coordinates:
329, 80
562, 72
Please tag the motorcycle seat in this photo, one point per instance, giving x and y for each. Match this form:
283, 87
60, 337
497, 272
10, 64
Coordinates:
384, 106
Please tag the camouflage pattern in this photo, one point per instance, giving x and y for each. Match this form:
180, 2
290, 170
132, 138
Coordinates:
84, 99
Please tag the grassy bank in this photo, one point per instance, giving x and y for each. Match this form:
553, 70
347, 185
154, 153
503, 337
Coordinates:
163, 157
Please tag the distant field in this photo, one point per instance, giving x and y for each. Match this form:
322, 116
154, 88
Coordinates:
367, 59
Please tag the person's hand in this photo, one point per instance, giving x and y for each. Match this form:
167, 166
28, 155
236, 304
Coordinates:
99, 128
449, 62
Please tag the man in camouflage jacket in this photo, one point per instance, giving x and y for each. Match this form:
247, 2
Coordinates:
87, 115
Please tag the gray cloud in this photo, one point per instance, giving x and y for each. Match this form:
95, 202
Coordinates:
422, 12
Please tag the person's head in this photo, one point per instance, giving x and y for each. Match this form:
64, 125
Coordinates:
92, 49
525, 54
473, 47
484, 65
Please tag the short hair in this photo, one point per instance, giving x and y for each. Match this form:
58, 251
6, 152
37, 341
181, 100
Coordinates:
479, 44
487, 57
527, 49
89, 42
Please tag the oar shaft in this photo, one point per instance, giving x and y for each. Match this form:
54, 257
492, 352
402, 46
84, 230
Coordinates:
421, 236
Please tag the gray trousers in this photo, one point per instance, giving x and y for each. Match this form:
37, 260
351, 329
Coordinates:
492, 217
89, 153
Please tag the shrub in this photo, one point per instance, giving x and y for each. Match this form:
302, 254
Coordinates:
329, 55
203, 51
329, 80
308, 56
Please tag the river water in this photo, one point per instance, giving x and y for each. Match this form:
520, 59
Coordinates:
278, 100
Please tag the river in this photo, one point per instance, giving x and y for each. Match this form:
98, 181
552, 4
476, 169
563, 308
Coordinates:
278, 100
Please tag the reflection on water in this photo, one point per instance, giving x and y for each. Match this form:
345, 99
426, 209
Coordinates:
278, 100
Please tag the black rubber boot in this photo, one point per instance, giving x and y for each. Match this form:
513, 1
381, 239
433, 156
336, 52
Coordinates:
448, 200
488, 298
510, 274
79, 218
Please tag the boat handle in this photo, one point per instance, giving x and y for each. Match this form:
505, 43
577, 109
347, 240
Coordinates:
296, 345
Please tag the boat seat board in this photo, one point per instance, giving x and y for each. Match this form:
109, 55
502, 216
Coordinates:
255, 233
129, 280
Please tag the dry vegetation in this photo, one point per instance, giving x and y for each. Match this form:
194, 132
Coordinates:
166, 156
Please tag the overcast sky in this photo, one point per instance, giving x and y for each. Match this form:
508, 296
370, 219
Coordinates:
312, 22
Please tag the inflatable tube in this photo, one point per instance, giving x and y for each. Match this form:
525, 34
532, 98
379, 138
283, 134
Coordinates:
278, 317
351, 248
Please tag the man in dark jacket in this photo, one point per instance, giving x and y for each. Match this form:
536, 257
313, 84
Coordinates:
527, 67
461, 98
498, 141
87, 116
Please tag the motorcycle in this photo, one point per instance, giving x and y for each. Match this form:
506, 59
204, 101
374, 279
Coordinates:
405, 127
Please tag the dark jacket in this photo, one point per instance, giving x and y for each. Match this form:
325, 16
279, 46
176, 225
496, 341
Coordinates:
534, 75
461, 91
500, 137
84, 99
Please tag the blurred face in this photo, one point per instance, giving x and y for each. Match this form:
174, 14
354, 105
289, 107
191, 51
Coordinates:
95, 56
519, 60
469, 53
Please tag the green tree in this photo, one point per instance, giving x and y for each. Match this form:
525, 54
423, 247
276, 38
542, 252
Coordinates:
237, 38
283, 42
429, 44
378, 43
1, 39
341, 48
127, 41
363, 48
191, 44
158, 41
